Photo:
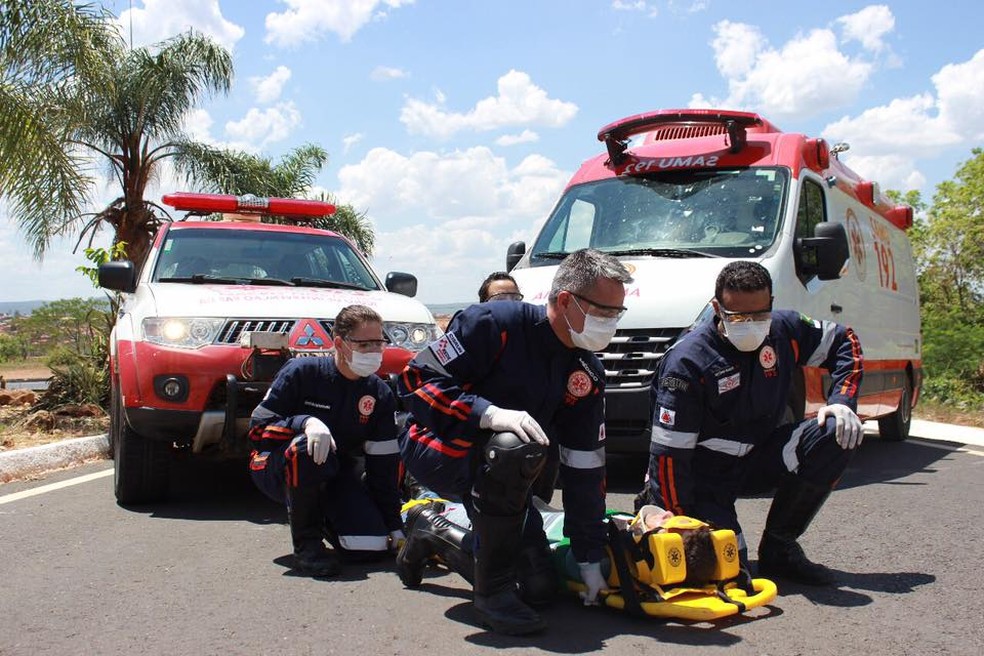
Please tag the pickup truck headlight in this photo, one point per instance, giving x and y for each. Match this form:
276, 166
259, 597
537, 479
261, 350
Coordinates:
181, 332
411, 336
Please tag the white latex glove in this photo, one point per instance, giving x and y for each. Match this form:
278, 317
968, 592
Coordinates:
319, 439
519, 422
396, 540
850, 430
593, 581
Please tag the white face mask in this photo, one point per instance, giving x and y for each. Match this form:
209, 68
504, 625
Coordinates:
364, 364
597, 331
746, 335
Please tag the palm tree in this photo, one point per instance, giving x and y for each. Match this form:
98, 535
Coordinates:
237, 172
45, 47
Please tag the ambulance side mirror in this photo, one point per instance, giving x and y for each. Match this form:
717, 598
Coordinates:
120, 276
514, 254
825, 253
401, 283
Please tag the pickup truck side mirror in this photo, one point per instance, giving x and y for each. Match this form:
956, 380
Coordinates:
120, 276
514, 254
401, 283
825, 253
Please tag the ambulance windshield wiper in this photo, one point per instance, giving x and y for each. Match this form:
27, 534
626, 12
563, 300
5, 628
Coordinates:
552, 255
273, 282
201, 279
318, 282
662, 252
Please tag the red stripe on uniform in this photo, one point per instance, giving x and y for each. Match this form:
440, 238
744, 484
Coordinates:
422, 437
850, 385
436, 399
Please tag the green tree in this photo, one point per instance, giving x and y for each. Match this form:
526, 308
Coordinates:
46, 47
115, 106
237, 172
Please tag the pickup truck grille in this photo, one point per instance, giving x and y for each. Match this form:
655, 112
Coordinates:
233, 328
631, 357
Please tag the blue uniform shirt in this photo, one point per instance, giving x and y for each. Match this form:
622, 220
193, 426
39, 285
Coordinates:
506, 354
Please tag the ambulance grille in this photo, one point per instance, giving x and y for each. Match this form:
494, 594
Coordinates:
630, 360
233, 328
671, 132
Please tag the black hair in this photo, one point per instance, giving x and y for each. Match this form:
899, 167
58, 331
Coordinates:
483, 291
742, 276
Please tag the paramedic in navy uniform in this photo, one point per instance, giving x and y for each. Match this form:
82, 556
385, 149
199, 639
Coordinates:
718, 400
507, 382
320, 416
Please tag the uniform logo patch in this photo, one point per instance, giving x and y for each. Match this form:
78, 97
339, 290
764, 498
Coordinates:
447, 348
767, 357
729, 383
366, 405
667, 417
579, 384
674, 384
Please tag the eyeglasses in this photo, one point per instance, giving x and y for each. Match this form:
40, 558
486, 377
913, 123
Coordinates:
505, 296
367, 344
742, 317
605, 311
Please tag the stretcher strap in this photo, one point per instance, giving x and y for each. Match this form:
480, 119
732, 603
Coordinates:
625, 578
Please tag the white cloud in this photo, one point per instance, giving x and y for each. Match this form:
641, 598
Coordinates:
307, 20
869, 26
162, 19
890, 138
526, 136
350, 140
519, 102
268, 88
383, 73
806, 76
433, 211
265, 126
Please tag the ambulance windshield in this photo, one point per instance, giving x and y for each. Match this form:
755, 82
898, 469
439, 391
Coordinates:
716, 213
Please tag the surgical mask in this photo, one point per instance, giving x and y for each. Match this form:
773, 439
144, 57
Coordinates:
597, 331
364, 364
746, 335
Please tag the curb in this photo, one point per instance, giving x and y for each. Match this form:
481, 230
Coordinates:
19, 463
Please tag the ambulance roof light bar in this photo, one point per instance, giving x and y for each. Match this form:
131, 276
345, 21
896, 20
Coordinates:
616, 135
296, 208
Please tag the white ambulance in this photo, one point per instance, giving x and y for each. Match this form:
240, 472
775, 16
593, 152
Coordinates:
216, 309
680, 193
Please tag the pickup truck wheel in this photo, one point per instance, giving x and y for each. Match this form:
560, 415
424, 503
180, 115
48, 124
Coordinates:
141, 464
895, 427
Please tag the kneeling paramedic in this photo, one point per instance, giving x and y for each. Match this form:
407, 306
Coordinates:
718, 399
507, 383
319, 418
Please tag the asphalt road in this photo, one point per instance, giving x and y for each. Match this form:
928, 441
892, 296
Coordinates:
206, 573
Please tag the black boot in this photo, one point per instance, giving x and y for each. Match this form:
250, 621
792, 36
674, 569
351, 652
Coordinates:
795, 505
431, 534
497, 601
535, 572
307, 522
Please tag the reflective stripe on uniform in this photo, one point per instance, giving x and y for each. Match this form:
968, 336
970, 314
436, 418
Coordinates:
582, 459
730, 447
823, 349
789, 449
673, 439
364, 542
385, 448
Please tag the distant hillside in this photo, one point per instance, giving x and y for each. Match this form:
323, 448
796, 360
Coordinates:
24, 307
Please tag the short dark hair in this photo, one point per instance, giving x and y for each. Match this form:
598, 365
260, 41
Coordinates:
742, 276
580, 270
483, 291
351, 317
700, 556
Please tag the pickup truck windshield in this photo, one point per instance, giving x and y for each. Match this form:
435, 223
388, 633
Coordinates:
706, 213
258, 257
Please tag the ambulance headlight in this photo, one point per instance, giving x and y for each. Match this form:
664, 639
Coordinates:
411, 336
181, 332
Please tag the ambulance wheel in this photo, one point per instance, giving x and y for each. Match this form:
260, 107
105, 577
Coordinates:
141, 465
895, 427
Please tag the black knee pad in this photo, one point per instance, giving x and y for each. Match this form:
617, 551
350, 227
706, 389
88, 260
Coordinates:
503, 482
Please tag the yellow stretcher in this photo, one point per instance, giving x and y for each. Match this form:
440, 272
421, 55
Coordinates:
654, 565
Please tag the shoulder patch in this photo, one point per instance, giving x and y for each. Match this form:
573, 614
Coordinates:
447, 348
674, 384
667, 417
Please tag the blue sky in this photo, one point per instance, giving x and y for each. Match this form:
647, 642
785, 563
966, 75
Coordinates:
456, 125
